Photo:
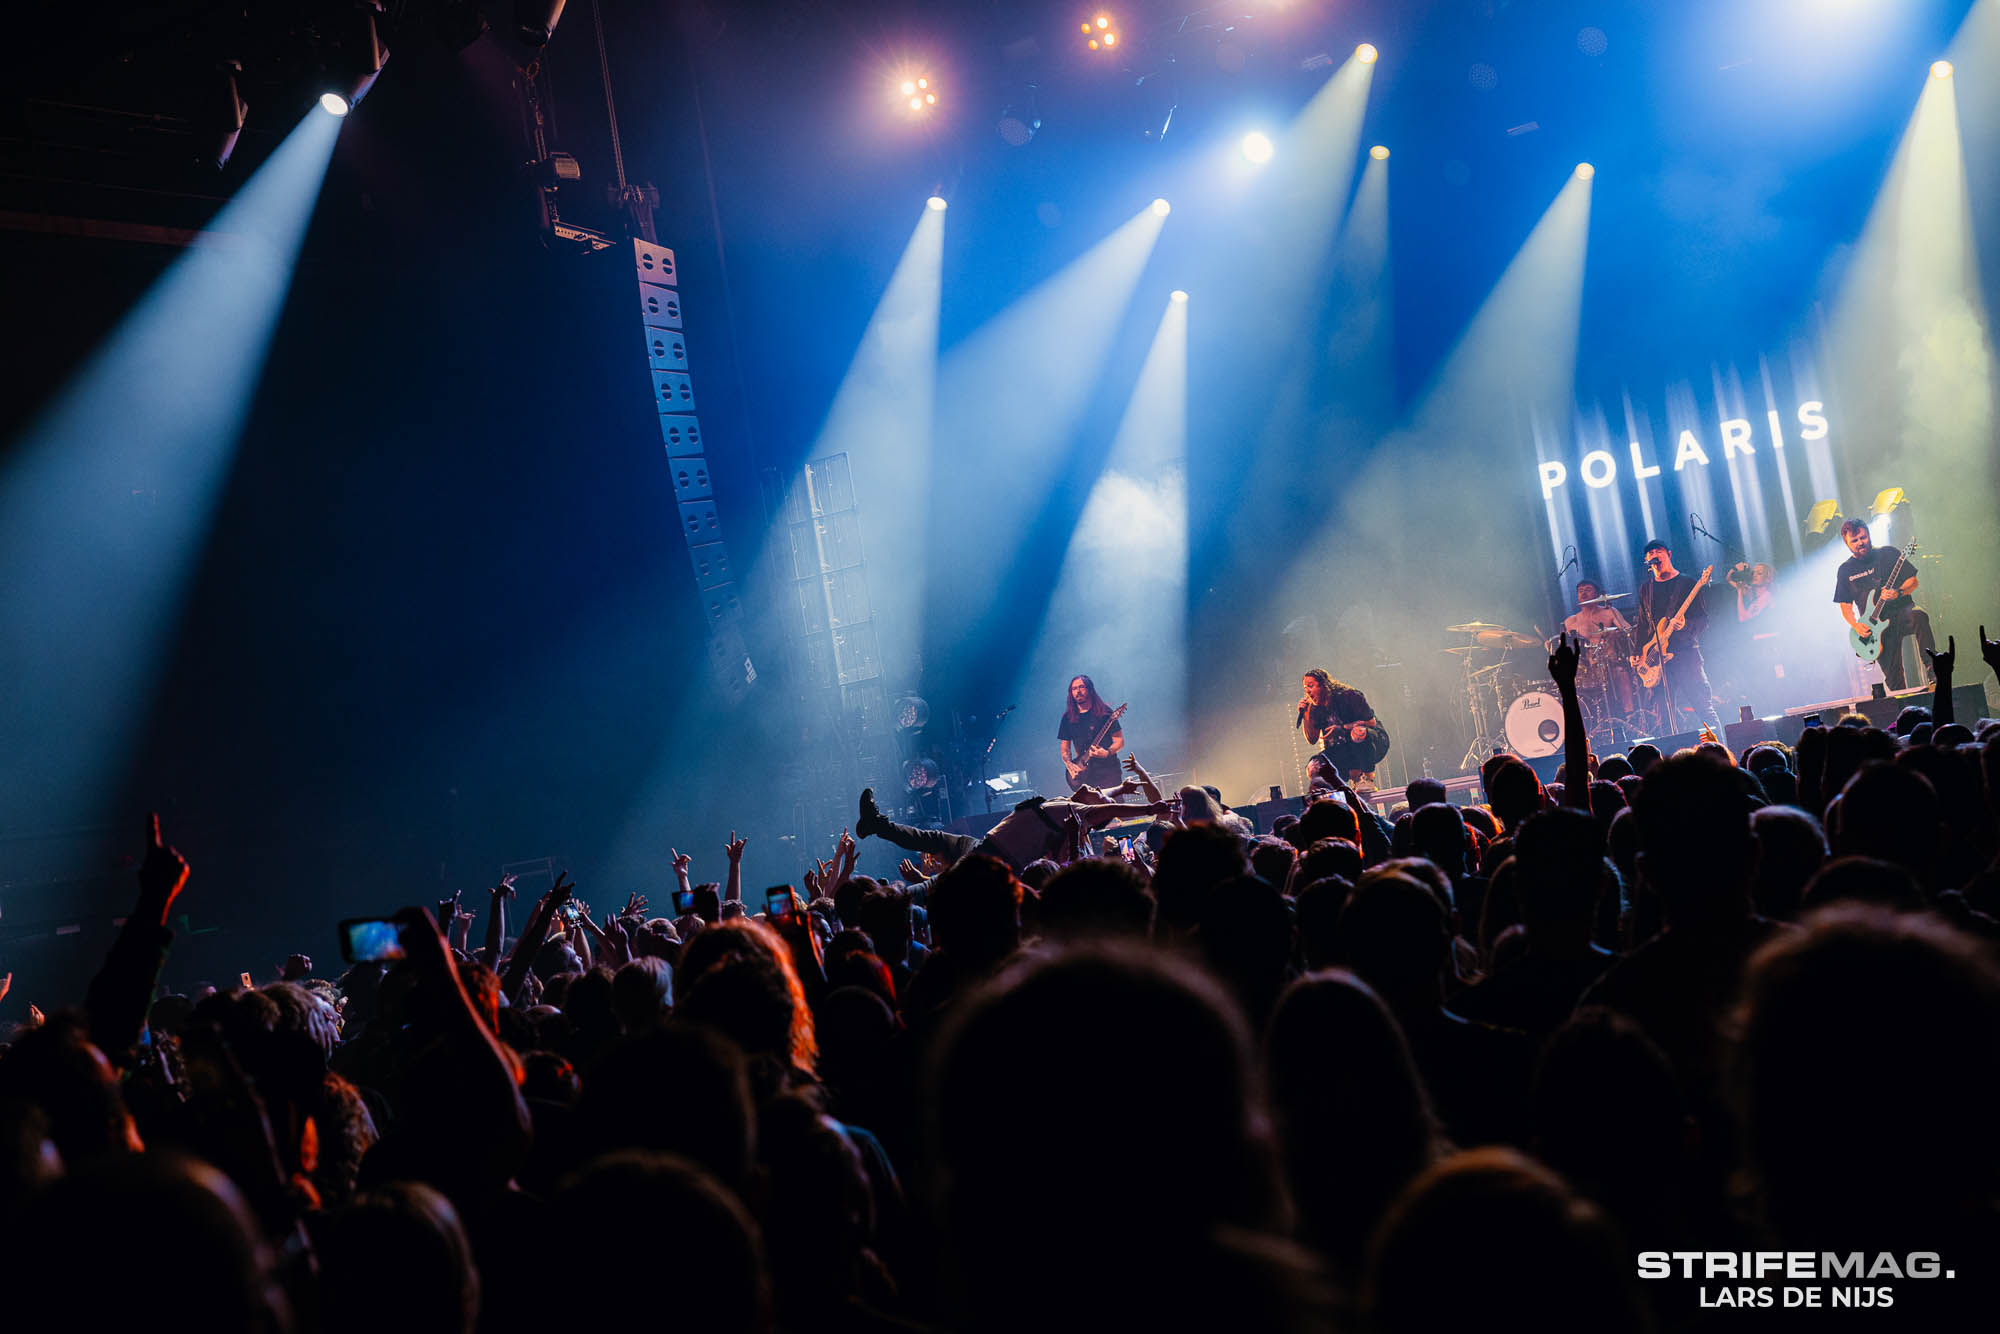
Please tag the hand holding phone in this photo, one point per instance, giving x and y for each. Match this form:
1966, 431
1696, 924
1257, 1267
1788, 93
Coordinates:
780, 903
683, 902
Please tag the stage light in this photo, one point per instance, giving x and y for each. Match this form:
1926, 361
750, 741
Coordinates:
909, 87
535, 20
1257, 146
1584, 171
351, 68
1379, 152
1821, 516
223, 118
918, 95
935, 202
1366, 54
1177, 295
333, 104
1161, 208
1099, 34
1886, 501
1940, 69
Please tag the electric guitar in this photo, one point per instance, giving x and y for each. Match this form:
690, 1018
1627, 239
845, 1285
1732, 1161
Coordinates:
1084, 760
1876, 613
1651, 661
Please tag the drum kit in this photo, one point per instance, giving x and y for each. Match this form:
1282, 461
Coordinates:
1513, 705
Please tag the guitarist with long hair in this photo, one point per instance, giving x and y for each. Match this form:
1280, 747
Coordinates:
1089, 737
1876, 584
1672, 616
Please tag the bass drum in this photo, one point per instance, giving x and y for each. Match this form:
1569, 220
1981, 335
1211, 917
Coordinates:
1535, 725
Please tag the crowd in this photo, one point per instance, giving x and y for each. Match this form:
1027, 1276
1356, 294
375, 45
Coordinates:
1451, 1068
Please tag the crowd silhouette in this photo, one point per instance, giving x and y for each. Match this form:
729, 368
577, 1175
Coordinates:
1455, 1067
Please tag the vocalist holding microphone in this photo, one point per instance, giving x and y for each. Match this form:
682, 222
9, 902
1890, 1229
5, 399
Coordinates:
1336, 718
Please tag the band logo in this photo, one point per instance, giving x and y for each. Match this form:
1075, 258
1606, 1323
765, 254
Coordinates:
1599, 468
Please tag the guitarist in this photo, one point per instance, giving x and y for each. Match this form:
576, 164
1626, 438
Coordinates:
1090, 737
1686, 701
1867, 572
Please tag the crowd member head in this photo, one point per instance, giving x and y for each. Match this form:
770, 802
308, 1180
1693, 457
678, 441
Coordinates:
1424, 792
1513, 790
637, 1203
1862, 880
1790, 849
1696, 851
1398, 939
1608, 1115
1317, 918
143, 1241
1339, 857
818, 1215
1558, 876
1329, 817
1888, 811
1246, 938
1191, 861
738, 978
885, 916
975, 911
401, 1238
1643, 757
1868, 1061
680, 1089
1354, 1125
1613, 767
1098, 896
56, 1070
1038, 872
1525, 1253
1438, 834
642, 994
1273, 859
1155, 1056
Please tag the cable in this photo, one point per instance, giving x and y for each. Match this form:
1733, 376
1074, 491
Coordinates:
610, 107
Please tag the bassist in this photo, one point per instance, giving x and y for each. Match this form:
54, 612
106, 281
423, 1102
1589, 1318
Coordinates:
1867, 572
1683, 698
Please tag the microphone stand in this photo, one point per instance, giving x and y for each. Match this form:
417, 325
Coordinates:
987, 754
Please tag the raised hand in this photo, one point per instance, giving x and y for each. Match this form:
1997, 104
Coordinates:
505, 889
811, 879
1562, 663
1942, 663
447, 909
6, 985
846, 847
35, 1016
294, 968
1989, 649
682, 861
163, 874
906, 868
635, 905
561, 891
734, 847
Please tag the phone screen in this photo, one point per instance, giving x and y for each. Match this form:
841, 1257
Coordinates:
1814, 720
778, 903
683, 902
370, 940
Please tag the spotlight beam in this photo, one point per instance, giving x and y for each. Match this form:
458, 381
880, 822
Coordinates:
106, 499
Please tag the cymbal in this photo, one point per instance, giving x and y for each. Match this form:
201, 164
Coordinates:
1600, 601
1495, 637
1485, 672
1464, 648
1471, 628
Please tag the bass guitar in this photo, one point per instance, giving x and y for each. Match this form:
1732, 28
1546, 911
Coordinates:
1651, 660
1083, 760
1875, 613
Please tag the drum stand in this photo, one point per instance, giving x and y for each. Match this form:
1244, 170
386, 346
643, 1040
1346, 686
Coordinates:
1483, 745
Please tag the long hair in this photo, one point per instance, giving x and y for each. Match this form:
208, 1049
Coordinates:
1337, 693
1097, 705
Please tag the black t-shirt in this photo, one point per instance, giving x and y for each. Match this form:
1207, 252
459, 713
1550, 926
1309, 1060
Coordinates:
1658, 601
1079, 730
1860, 576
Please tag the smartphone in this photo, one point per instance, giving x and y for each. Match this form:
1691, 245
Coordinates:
1814, 720
779, 903
370, 940
571, 911
683, 902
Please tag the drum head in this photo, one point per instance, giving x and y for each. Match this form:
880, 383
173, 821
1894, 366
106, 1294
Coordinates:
1535, 725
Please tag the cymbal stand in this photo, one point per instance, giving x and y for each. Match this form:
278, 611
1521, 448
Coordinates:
1483, 745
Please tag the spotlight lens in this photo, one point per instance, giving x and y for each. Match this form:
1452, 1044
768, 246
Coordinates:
1257, 146
1365, 53
1161, 207
923, 83
935, 202
333, 104
1940, 69
1111, 39
1379, 152
1093, 43
1102, 22
1177, 296
908, 87
931, 98
1584, 171
916, 104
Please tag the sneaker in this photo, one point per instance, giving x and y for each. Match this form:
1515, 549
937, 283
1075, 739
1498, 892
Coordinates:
870, 818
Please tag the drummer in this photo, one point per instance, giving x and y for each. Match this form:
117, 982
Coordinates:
1594, 617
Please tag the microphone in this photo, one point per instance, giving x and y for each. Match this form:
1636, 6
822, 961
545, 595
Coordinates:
1300, 720
1570, 563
